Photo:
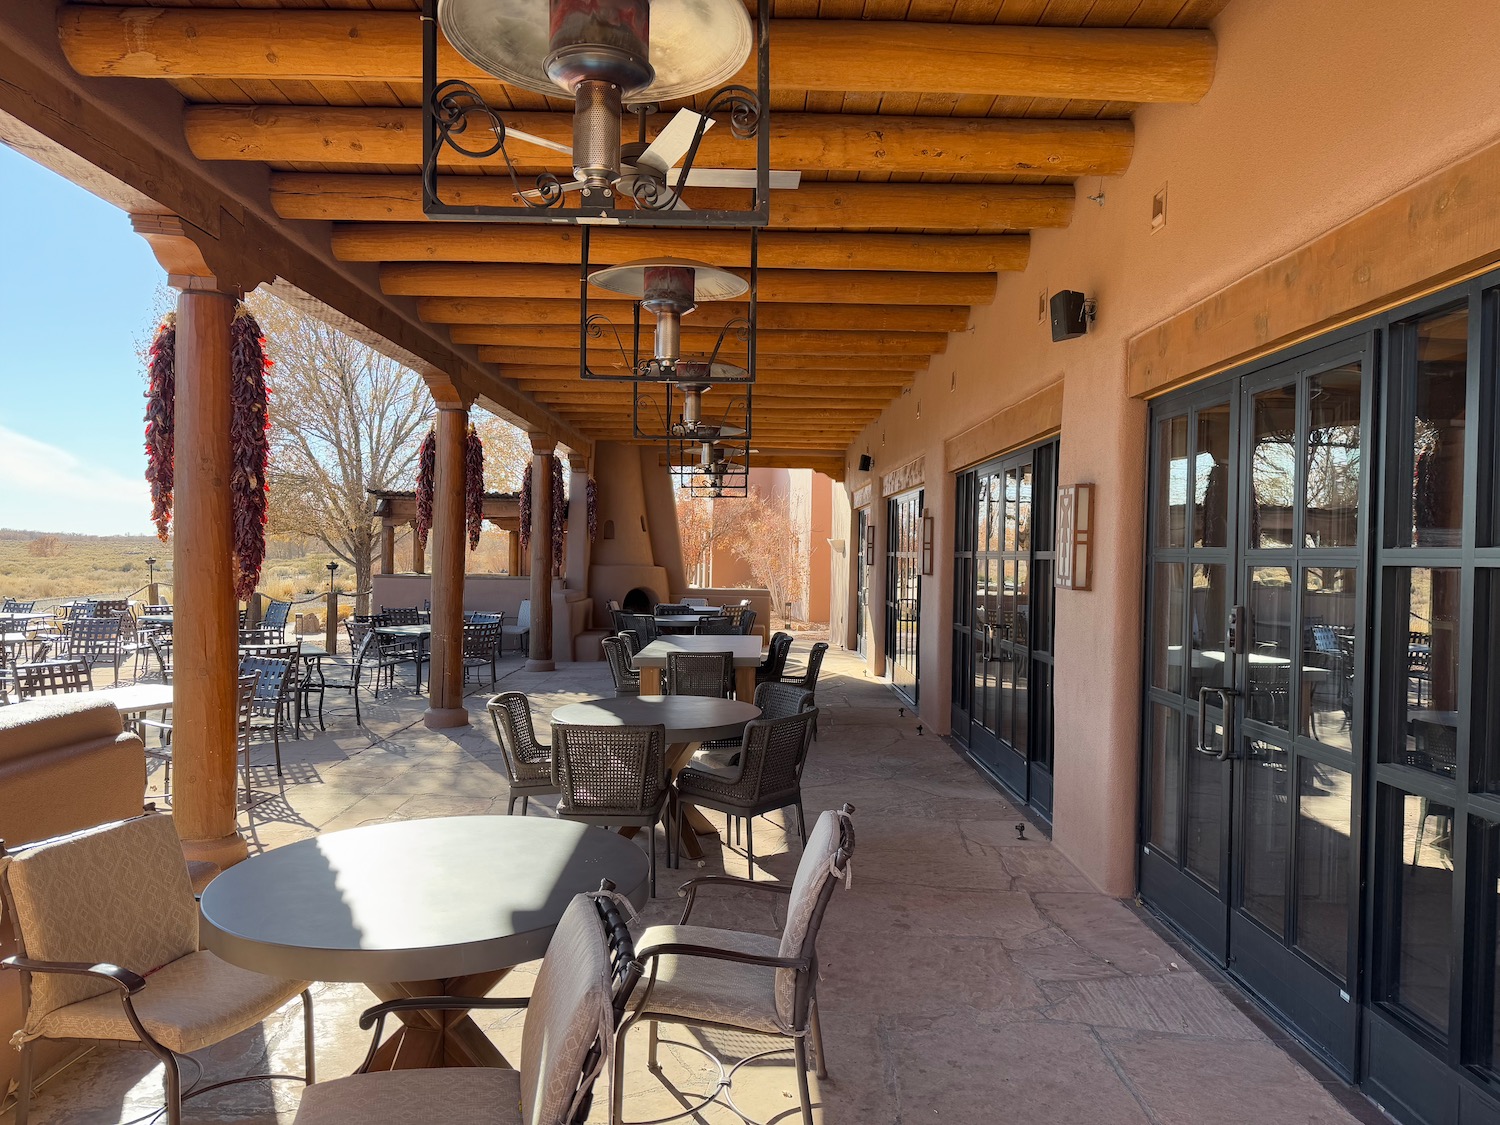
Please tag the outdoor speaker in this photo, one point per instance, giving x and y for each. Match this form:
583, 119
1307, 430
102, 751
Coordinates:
1069, 318
865, 462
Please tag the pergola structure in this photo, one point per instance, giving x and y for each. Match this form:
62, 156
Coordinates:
396, 509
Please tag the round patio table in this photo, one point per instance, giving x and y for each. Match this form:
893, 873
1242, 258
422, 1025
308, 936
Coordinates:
689, 719
436, 907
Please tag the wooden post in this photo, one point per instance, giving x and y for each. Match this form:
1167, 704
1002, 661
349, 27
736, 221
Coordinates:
540, 653
387, 547
418, 563
513, 554
445, 679
205, 640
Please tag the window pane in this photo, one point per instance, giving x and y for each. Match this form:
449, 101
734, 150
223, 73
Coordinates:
1041, 694
1205, 805
1041, 605
1164, 764
1210, 616
1419, 865
1171, 482
1484, 741
1325, 797
1012, 492
1023, 519
1270, 651
1329, 616
1211, 478
1330, 516
1273, 467
1265, 834
1439, 394
1166, 627
1428, 605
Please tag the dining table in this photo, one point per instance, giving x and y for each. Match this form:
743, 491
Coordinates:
690, 720
421, 634
137, 699
652, 660
442, 906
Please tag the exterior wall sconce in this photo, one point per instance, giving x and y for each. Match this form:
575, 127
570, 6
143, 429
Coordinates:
926, 543
1075, 536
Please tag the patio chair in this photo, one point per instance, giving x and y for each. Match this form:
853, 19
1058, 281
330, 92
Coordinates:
481, 646
276, 688
700, 673
161, 648
642, 624
362, 647
715, 626
632, 641
108, 607
276, 617
773, 667
702, 976
767, 777
615, 777
10, 605
262, 636
775, 701
695, 601
736, 612
807, 677
477, 618
521, 630
528, 761
673, 609
747, 622
107, 932
53, 677
627, 678
95, 640
582, 992
401, 615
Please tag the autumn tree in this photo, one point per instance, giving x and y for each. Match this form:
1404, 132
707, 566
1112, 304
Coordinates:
344, 419
507, 450
766, 537
695, 525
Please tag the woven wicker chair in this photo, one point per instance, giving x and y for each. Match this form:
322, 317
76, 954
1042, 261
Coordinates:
642, 624
53, 677
581, 994
673, 609
716, 626
481, 647
632, 641
107, 930
768, 776
528, 761
775, 701
747, 622
702, 976
773, 667
807, 676
615, 777
94, 640
627, 678
700, 673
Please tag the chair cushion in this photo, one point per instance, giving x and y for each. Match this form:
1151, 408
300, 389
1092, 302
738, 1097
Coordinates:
194, 1002
813, 871
478, 1095
52, 722
702, 988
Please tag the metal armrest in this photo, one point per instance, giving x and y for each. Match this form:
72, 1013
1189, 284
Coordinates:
686, 949
376, 1016
689, 890
128, 982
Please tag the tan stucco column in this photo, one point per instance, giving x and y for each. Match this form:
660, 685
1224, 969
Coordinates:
445, 677
577, 572
539, 656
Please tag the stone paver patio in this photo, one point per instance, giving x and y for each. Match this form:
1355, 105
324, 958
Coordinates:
968, 975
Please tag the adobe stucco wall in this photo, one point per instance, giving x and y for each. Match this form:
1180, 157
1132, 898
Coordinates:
1317, 112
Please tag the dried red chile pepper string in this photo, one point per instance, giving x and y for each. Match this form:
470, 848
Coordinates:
559, 515
523, 508
161, 389
426, 471
592, 493
250, 448
474, 487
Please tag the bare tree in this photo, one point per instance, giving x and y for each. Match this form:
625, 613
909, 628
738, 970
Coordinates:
507, 449
770, 541
695, 524
344, 419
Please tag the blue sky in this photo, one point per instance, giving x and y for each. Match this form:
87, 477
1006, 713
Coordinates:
77, 292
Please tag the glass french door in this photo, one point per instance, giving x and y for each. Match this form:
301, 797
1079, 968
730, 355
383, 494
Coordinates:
903, 591
1254, 730
1002, 620
862, 582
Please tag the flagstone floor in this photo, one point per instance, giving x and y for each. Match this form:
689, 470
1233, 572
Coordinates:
968, 975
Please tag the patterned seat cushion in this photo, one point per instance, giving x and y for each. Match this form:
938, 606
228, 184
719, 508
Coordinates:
194, 1002
702, 988
452, 1096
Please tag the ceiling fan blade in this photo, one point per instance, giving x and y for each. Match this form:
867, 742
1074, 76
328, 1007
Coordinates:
734, 178
574, 186
540, 142
672, 143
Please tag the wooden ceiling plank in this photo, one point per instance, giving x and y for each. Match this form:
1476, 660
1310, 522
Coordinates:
478, 311
808, 367
812, 342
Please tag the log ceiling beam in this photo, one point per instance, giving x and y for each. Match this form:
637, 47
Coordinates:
829, 464
788, 250
563, 357
982, 208
533, 375
844, 56
704, 340
823, 142
855, 287
481, 311
842, 393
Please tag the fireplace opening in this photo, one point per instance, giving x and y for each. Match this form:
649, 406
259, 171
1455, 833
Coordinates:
638, 601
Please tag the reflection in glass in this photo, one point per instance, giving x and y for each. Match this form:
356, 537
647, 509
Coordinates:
1210, 619
1330, 513
1330, 613
1265, 834
1270, 652
1422, 873
1012, 492
1325, 800
1166, 628
1165, 765
1435, 428
1211, 478
1023, 509
1171, 482
1205, 806
1430, 606
1273, 467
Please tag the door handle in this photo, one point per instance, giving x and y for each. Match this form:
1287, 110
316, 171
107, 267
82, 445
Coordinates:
1201, 746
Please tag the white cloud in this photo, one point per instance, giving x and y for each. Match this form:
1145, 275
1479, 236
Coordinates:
45, 488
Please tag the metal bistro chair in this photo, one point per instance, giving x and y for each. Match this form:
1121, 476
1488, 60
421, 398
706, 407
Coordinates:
107, 932
626, 676
276, 690
53, 677
773, 667
481, 646
768, 776
615, 777
262, 636
702, 976
700, 673
716, 626
401, 615
161, 648
95, 640
582, 992
10, 605
528, 761
736, 612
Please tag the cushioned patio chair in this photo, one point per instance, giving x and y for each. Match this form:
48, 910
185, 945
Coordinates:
521, 630
581, 993
107, 931
528, 760
627, 678
701, 976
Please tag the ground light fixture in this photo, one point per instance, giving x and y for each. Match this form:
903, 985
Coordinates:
332, 566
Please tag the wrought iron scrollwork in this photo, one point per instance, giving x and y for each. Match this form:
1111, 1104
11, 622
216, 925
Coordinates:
455, 106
